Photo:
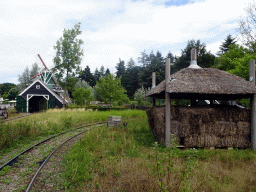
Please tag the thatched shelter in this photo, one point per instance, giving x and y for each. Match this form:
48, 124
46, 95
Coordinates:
204, 83
205, 126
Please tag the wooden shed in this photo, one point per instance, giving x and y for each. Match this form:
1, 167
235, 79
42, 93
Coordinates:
43, 93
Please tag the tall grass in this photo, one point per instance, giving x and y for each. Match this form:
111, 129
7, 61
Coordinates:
128, 159
51, 122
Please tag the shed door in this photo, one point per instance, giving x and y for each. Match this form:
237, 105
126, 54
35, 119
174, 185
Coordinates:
51, 102
21, 104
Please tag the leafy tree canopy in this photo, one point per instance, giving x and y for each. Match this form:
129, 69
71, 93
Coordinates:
13, 92
236, 61
5, 88
110, 89
83, 95
68, 55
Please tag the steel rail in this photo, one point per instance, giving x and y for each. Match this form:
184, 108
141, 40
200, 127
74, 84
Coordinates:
10, 162
46, 160
5, 120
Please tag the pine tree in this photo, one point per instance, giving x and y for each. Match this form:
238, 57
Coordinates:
107, 72
102, 71
87, 76
130, 64
120, 67
225, 45
143, 59
96, 75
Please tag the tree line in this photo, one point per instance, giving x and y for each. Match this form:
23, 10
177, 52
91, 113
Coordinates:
132, 78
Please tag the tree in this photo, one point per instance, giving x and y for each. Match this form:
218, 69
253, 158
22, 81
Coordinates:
140, 95
5, 88
83, 84
236, 61
143, 59
120, 67
204, 57
130, 64
107, 72
24, 78
110, 89
83, 95
225, 45
247, 27
156, 65
87, 76
34, 70
159, 56
96, 75
130, 80
68, 56
102, 71
13, 92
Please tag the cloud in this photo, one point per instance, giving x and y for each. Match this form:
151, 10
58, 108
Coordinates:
111, 29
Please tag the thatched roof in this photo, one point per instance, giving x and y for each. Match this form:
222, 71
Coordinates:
204, 81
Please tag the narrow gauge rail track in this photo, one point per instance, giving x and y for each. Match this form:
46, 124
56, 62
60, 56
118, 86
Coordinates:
46, 160
15, 159
19, 117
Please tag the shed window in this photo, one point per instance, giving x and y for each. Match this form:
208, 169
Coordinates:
37, 86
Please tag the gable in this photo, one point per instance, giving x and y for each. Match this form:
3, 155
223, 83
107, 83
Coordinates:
38, 87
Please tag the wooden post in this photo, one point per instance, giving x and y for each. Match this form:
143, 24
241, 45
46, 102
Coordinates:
253, 106
167, 104
153, 86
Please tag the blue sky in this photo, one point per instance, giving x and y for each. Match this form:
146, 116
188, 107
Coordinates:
111, 29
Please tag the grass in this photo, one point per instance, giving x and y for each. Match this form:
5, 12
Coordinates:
51, 122
128, 159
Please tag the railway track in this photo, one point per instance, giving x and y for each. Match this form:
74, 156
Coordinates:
19, 170
19, 117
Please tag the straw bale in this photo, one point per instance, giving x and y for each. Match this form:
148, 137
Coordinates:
207, 140
243, 129
203, 126
224, 128
175, 128
174, 112
243, 142
207, 128
245, 115
191, 141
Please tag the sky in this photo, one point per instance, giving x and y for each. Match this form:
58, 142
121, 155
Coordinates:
111, 29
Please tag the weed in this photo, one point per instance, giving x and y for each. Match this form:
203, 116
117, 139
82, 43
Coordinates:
116, 173
5, 170
7, 180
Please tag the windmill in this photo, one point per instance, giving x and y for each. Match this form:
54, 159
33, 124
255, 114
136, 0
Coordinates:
47, 77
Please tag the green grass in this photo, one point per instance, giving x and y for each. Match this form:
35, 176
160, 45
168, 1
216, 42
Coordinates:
51, 122
128, 159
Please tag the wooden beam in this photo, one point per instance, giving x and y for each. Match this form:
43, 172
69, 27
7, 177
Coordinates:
167, 104
253, 106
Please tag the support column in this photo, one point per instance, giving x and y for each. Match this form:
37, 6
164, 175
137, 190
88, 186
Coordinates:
167, 104
153, 86
253, 121
253, 106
